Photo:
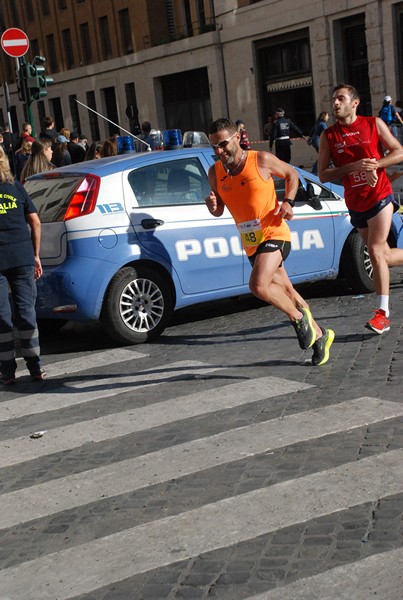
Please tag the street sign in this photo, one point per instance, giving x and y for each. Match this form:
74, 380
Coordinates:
15, 42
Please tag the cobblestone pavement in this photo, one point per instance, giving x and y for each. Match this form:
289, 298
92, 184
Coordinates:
216, 462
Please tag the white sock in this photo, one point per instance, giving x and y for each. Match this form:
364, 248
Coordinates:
384, 304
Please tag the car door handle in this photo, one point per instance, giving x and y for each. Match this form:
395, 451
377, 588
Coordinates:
151, 223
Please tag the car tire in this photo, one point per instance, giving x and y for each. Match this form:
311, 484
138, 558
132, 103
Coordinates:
356, 265
137, 306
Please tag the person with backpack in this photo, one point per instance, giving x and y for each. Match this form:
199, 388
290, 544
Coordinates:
389, 115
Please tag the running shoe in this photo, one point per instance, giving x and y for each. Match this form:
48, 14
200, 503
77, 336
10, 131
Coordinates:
321, 347
379, 322
38, 376
304, 329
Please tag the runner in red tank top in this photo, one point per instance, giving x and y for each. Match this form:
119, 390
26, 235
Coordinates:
356, 145
242, 181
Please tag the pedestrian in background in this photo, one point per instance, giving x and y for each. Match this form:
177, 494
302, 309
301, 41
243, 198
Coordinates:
20, 265
244, 139
146, 137
389, 115
94, 151
281, 135
315, 133
10, 143
356, 146
26, 132
268, 126
48, 132
76, 150
61, 156
22, 155
109, 147
39, 160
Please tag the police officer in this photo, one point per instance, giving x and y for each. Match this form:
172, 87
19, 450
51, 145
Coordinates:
20, 265
280, 134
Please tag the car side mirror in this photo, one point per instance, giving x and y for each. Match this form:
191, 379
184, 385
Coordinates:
314, 201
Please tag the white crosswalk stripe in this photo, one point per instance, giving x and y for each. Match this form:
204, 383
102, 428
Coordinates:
99, 388
374, 575
87, 567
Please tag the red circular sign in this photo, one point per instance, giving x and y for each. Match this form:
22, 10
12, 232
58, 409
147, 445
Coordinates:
15, 42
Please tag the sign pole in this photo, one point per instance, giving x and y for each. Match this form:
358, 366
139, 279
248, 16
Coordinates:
10, 124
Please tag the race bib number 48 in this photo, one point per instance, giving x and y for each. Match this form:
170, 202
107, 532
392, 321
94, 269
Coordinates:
251, 233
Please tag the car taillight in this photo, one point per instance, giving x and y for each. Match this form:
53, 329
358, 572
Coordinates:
84, 199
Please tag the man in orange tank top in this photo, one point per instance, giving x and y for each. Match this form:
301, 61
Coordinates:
242, 181
356, 145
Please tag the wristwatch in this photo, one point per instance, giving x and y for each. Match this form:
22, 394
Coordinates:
290, 202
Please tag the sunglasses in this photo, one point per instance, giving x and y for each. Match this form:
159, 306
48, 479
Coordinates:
223, 143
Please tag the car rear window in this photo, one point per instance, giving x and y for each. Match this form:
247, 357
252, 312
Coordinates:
52, 195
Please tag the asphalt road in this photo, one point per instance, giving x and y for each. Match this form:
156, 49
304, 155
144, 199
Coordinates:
216, 462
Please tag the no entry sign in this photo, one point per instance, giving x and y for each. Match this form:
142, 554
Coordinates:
15, 42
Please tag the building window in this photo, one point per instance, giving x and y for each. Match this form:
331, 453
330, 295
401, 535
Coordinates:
125, 31
105, 38
285, 72
132, 112
15, 16
68, 48
201, 13
34, 48
29, 10
86, 43
93, 118
355, 60
45, 8
186, 100
40, 106
51, 50
57, 113
62, 4
75, 116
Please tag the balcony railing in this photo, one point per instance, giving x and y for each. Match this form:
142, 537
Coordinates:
183, 32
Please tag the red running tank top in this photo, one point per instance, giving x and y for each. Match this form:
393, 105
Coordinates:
348, 143
252, 201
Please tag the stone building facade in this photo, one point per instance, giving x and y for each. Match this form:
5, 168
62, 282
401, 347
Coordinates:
182, 63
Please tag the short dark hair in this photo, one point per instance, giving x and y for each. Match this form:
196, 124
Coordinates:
351, 90
221, 125
146, 127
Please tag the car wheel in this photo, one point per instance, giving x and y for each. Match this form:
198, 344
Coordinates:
356, 265
137, 306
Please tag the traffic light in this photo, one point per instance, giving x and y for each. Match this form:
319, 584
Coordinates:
37, 81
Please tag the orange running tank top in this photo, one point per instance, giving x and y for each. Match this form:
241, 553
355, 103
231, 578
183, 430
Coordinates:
251, 200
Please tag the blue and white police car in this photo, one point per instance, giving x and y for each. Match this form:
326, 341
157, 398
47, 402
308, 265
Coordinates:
128, 239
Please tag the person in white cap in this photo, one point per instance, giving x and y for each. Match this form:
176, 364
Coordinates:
389, 115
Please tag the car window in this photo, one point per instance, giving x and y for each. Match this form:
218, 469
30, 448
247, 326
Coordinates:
169, 183
52, 196
322, 192
279, 185
319, 190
